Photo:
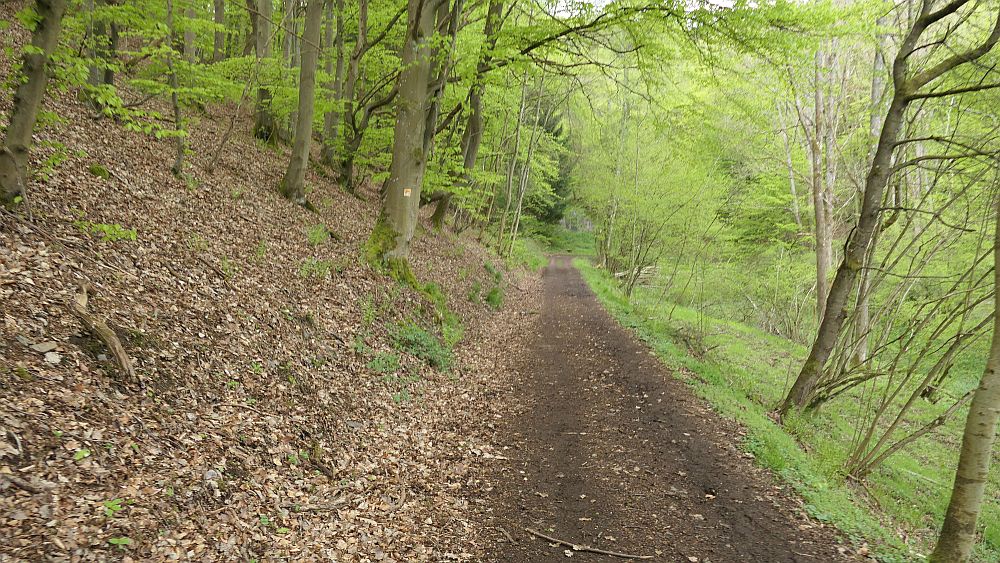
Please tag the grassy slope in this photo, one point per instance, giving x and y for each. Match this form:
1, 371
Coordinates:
742, 372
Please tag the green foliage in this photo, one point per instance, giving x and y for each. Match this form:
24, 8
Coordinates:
494, 298
317, 234
314, 268
742, 372
120, 542
474, 292
99, 171
108, 233
113, 507
421, 343
385, 363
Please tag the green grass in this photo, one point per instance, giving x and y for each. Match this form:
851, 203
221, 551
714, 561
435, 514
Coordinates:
743, 373
564, 241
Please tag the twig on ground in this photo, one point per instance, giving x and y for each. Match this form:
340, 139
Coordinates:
585, 548
506, 534
23, 484
97, 327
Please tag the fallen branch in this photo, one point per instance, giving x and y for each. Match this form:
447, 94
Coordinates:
585, 548
23, 484
99, 329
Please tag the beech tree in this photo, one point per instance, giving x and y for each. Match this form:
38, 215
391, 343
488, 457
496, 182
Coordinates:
28, 98
293, 184
397, 220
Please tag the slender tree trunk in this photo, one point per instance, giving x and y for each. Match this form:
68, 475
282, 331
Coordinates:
824, 246
472, 137
351, 129
27, 99
189, 36
512, 166
263, 119
219, 47
796, 213
178, 166
251, 40
958, 536
390, 240
331, 119
863, 315
293, 184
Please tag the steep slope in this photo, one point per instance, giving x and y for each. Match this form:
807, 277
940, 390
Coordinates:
270, 417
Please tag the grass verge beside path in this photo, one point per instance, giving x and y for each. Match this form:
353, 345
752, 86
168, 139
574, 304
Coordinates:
742, 372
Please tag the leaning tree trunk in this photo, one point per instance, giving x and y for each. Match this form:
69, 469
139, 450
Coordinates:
397, 221
905, 90
28, 98
958, 536
293, 184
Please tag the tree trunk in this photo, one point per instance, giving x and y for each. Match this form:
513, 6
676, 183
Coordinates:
958, 536
390, 240
863, 315
27, 99
472, 137
905, 90
189, 36
219, 47
263, 119
349, 101
331, 119
178, 166
251, 41
293, 184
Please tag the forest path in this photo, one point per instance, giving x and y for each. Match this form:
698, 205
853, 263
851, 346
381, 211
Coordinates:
608, 450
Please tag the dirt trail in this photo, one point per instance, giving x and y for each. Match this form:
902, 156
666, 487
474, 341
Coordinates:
611, 451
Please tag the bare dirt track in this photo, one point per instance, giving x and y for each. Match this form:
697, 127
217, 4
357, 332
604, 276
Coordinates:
610, 451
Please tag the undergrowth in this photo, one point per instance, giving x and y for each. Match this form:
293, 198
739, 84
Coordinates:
743, 372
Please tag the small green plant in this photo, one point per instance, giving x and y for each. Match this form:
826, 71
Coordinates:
315, 268
360, 345
401, 396
261, 251
237, 194
495, 298
317, 234
80, 454
368, 311
197, 242
229, 269
474, 292
422, 344
121, 542
113, 507
53, 161
108, 233
384, 363
99, 171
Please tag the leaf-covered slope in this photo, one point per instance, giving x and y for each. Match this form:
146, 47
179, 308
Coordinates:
276, 413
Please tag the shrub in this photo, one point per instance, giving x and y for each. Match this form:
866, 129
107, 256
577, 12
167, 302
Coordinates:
415, 340
315, 268
495, 298
384, 363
